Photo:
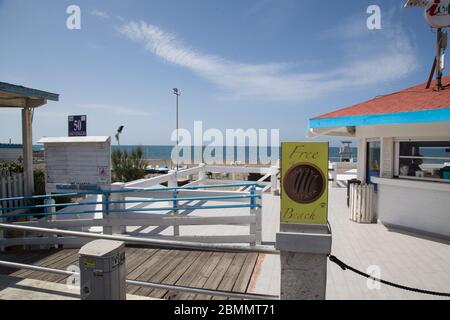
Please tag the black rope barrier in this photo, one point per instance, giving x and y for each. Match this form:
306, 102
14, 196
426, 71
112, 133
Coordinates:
345, 266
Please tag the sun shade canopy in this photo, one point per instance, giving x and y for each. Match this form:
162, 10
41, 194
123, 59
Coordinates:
14, 96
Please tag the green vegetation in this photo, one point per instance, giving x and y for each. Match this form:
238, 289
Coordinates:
39, 181
14, 167
127, 167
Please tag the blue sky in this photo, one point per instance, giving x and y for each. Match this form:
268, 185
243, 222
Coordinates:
269, 64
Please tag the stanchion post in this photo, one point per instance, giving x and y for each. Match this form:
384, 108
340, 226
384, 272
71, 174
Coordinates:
303, 255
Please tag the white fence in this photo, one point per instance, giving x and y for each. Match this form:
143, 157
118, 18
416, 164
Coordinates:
341, 172
11, 185
222, 213
202, 171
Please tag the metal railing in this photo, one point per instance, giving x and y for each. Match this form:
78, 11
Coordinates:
168, 244
218, 293
149, 243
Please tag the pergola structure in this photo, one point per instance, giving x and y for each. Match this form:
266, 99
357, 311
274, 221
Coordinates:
14, 96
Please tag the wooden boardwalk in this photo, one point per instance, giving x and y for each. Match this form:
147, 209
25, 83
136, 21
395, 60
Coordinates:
210, 270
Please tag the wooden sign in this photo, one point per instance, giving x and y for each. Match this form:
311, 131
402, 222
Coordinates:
304, 182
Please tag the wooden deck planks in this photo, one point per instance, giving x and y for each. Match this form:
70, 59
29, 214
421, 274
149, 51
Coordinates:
151, 266
231, 275
163, 273
187, 277
46, 261
216, 277
177, 274
243, 280
212, 270
203, 276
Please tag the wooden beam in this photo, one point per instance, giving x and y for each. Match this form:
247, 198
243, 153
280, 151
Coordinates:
27, 142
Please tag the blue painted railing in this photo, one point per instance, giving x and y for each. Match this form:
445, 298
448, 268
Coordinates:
105, 203
130, 190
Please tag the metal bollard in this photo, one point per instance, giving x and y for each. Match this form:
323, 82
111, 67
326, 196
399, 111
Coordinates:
102, 270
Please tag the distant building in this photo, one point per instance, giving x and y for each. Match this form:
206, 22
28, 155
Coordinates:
11, 152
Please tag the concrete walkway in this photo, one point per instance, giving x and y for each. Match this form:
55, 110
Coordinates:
401, 257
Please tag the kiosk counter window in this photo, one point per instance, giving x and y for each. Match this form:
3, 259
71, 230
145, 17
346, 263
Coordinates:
423, 160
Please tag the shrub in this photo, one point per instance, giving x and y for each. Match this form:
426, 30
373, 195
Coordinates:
127, 167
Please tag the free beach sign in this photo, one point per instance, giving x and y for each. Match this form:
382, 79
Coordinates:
304, 182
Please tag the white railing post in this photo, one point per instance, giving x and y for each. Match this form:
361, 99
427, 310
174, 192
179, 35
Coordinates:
202, 174
21, 193
52, 209
117, 196
105, 211
2, 232
256, 227
8, 186
274, 180
334, 174
258, 213
173, 183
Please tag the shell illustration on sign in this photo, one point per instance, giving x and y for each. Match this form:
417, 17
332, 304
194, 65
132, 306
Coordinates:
304, 183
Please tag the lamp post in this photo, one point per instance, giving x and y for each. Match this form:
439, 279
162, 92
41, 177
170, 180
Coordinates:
119, 131
177, 93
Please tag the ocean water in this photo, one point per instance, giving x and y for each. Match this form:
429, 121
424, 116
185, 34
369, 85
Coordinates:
242, 154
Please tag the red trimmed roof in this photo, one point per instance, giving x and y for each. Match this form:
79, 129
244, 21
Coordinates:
416, 98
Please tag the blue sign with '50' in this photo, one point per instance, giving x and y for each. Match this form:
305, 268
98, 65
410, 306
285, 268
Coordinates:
77, 126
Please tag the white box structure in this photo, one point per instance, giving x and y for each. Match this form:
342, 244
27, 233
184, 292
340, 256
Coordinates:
77, 163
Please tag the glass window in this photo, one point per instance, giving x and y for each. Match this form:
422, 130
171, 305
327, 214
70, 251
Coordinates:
373, 160
425, 160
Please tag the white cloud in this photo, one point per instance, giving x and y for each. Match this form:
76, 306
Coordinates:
275, 82
115, 109
99, 14
94, 108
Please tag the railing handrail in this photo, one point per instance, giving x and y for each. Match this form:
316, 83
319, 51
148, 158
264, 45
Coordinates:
223, 293
45, 214
77, 204
171, 244
131, 190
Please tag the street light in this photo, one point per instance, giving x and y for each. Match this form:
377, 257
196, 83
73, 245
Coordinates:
177, 93
119, 131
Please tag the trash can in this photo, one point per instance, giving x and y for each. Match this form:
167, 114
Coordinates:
349, 183
362, 203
